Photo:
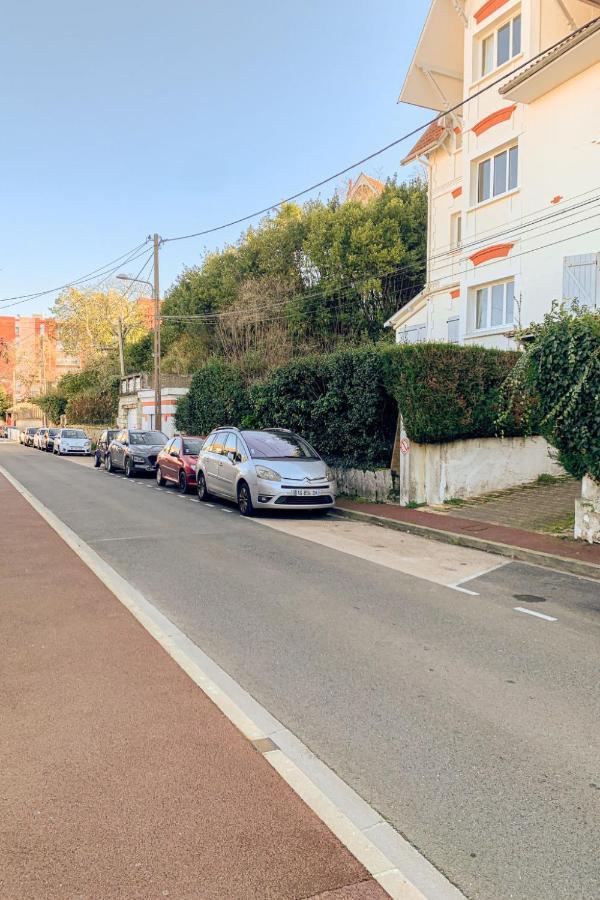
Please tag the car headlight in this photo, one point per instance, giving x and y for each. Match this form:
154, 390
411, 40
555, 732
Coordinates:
267, 474
330, 474
141, 459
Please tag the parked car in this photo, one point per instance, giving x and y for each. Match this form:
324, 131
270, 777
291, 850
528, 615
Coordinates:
102, 445
48, 443
22, 435
3, 431
271, 469
29, 435
176, 462
135, 451
71, 441
38, 437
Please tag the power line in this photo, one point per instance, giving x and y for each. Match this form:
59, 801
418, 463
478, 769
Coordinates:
92, 277
319, 291
281, 304
463, 102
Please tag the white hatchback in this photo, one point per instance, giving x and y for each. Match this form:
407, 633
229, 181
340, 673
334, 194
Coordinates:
72, 441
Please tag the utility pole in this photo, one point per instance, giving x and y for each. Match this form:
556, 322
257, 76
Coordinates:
157, 387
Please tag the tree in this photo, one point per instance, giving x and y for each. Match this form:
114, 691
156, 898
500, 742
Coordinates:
93, 322
5, 402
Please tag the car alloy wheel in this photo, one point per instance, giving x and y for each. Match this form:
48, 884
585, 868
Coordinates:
183, 485
201, 487
129, 470
159, 477
108, 465
245, 505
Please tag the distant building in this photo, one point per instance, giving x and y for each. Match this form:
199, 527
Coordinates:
364, 189
136, 401
146, 305
32, 358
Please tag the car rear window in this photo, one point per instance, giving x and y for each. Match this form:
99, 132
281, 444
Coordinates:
277, 445
191, 447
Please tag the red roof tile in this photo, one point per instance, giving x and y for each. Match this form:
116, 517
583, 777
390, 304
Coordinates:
430, 137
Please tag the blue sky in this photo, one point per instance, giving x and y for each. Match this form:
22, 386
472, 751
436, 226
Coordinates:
121, 119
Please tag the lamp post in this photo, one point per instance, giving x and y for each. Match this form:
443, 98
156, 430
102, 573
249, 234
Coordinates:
156, 295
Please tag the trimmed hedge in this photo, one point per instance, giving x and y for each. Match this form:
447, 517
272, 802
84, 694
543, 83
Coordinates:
561, 367
346, 403
447, 392
217, 396
338, 401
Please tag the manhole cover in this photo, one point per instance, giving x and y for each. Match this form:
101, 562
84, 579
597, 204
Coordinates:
529, 598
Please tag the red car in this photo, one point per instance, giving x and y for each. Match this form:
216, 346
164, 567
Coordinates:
176, 462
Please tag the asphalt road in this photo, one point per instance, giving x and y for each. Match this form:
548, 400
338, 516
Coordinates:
472, 727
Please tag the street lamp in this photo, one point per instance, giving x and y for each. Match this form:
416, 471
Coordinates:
156, 294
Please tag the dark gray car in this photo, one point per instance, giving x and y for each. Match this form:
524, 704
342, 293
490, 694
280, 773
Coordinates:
134, 451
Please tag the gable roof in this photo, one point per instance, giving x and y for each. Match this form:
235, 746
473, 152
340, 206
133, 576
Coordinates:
431, 138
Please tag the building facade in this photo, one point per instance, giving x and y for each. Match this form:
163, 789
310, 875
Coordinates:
136, 401
32, 358
514, 207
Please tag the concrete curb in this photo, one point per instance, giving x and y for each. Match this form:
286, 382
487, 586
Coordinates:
535, 557
392, 861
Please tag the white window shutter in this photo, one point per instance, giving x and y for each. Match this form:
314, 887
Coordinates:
581, 279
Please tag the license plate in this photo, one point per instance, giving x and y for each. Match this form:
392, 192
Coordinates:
306, 492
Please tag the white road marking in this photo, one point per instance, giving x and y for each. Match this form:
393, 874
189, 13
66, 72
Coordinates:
479, 574
411, 554
392, 861
463, 590
533, 612
212, 506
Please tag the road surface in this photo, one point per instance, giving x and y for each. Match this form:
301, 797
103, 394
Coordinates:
469, 724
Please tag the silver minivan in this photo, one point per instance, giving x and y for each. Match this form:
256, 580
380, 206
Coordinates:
272, 469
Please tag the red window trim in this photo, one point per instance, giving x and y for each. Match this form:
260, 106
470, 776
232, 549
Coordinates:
457, 192
500, 115
487, 9
496, 251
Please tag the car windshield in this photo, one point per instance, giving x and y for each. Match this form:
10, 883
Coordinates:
147, 437
73, 433
277, 445
32, 430
191, 447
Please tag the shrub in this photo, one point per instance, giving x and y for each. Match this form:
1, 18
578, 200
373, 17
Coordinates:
338, 401
446, 392
217, 396
561, 366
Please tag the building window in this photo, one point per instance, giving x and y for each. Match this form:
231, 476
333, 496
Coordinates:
501, 45
495, 305
412, 334
456, 231
453, 330
498, 174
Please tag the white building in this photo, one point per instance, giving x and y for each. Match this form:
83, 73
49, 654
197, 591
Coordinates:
136, 401
514, 174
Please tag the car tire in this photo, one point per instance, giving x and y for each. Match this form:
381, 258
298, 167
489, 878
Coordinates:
244, 498
129, 468
201, 487
159, 477
96, 460
108, 464
182, 483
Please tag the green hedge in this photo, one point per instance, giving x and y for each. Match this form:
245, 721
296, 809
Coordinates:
346, 403
338, 401
561, 367
217, 396
447, 392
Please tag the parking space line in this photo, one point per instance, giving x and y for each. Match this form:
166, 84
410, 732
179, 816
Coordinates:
533, 612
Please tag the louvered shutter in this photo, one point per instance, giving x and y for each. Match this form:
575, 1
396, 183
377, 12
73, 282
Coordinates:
581, 279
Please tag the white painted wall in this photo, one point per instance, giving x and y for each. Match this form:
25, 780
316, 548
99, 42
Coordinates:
434, 473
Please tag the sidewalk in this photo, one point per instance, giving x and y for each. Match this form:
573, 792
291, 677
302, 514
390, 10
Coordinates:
119, 778
572, 556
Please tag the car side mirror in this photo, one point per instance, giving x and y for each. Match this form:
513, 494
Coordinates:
126, 443
174, 453
231, 456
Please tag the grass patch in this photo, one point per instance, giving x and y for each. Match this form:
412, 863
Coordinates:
561, 526
414, 505
454, 501
545, 478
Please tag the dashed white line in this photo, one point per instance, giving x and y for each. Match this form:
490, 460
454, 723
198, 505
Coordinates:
463, 590
532, 612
